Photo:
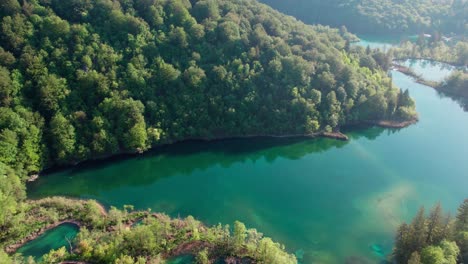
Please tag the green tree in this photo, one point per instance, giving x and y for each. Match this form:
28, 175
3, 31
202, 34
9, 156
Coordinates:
202, 257
63, 138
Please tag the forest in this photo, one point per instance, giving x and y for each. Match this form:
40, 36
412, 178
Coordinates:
381, 16
434, 238
86, 79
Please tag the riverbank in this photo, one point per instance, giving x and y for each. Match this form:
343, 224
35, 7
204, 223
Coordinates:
337, 135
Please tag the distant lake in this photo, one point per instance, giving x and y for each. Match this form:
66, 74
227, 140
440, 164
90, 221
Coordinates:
382, 42
327, 200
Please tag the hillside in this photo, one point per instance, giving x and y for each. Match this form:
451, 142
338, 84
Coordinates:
381, 16
84, 79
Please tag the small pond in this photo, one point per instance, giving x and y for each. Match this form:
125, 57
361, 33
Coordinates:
52, 239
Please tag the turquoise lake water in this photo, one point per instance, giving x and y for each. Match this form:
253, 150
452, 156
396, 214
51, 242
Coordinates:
383, 43
51, 239
327, 200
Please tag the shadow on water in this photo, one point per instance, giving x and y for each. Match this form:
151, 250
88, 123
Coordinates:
463, 102
184, 158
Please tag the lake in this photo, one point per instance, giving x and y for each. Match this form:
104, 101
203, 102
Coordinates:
432, 71
52, 239
327, 200
383, 43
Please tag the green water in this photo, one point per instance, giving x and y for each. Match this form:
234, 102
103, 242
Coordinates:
432, 71
382, 42
52, 239
324, 199
185, 259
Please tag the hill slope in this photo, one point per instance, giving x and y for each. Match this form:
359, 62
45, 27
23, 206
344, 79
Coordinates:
381, 16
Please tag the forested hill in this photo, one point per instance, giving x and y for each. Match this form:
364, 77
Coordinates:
381, 16
85, 78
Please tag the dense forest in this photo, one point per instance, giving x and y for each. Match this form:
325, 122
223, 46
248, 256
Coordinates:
83, 79
435, 238
381, 16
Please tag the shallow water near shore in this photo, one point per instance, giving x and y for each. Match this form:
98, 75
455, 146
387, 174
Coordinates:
328, 200
55, 238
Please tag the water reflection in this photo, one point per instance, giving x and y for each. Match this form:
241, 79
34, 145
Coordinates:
183, 159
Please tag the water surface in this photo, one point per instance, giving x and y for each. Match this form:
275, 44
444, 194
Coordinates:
327, 200
53, 239
383, 43
432, 71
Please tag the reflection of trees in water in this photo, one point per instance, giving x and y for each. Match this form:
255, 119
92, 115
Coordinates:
184, 159
463, 102
431, 63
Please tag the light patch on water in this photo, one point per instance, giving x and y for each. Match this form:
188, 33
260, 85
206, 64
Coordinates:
384, 210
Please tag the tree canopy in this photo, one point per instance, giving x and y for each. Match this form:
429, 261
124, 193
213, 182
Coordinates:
381, 16
82, 79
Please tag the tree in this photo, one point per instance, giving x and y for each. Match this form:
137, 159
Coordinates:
63, 138
206, 9
202, 257
12, 193
53, 90
461, 230
239, 235
435, 226
9, 7
432, 255
415, 258
228, 31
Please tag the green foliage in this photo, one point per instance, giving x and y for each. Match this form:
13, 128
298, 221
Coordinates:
84, 78
114, 237
62, 138
12, 193
4, 258
433, 239
446, 253
202, 257
456, 85
454, 51
380, 16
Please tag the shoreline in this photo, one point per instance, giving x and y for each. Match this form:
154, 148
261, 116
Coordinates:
391, 124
